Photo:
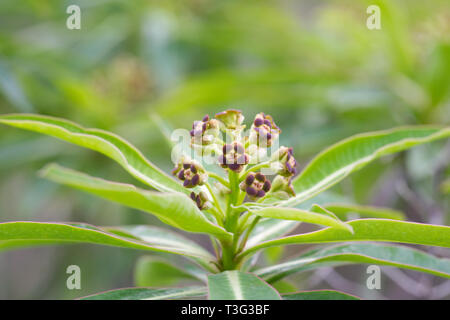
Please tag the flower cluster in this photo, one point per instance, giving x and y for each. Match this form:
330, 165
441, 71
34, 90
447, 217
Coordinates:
191, 173
235, 155
255, 185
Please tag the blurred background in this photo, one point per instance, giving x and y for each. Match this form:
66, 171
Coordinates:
140, 68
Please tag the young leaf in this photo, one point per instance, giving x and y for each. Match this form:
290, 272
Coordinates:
269, 229
371, 253
20, 234
370, 230
302, 215
175, 209
338, 161
104, 142
319, 295
237, 285
343, 210
148, 294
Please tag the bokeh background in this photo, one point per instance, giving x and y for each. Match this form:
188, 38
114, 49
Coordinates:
140, 68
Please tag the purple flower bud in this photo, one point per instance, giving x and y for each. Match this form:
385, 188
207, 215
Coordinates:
260, 194
250, 178
251, 191
181, 175
260, 177
195, 180
266, 186
193, 195
193, 168
258, 122
205, 118
186, 183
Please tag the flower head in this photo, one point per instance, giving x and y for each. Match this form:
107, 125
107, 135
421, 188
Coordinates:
201, 199
256, 185
232, 119
234, 157
205, 131
284, 162
190, 172
264, 130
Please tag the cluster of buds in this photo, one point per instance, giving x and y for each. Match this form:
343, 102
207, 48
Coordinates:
256, 185
234, 157
191, 173
201, 200
264, 130
205, 131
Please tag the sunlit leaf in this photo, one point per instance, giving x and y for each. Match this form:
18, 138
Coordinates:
354, 253
148, 294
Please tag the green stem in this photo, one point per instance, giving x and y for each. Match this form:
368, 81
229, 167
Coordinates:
219, 178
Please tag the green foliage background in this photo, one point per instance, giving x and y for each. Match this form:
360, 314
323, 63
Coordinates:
140, 68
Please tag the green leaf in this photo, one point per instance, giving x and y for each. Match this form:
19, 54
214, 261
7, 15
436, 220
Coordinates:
446, 186
369, 230
237, 285
156, 272
319, 295
323, 218
148, 294
342, 211
269, 229
104, 142
20, 234
175, 209
371, 253
338, 161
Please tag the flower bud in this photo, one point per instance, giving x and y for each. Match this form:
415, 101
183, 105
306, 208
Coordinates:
255, 185
232, 119
190, 172
201, 200
234, 157
284, 162
282, 188
264, 130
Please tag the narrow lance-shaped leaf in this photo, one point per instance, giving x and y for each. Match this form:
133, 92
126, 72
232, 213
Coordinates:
148, 294
14, 235
319, 295
338, 161
370, 253
104, 142
342, 211
369, 230
175, 209
323, 218
269, 229
237, 285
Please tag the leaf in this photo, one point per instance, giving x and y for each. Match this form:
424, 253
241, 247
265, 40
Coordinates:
338, 161
369, 230
175, 209
237, 285
302, 215
342, 211
319, 295
20, 234
148, 294
371, 253
445, 187
268, 229
104, 142
153, 271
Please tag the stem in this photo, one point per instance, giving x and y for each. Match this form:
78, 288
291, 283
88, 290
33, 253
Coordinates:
247, 234
216, 201
219, 178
